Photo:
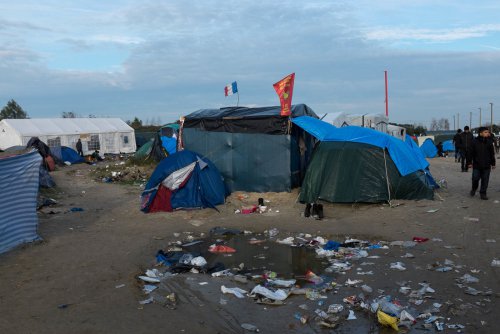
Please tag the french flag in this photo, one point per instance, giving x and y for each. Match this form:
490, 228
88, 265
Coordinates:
231, 89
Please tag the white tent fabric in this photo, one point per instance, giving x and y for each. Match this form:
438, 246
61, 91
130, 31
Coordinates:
110, 135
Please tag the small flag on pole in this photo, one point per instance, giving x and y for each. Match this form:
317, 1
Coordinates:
231, 89
284, 89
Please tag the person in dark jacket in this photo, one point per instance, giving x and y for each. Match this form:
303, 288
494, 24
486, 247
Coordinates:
456, 144
466, 138
483, 160
79, 147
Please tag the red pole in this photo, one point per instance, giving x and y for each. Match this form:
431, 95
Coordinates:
386, 98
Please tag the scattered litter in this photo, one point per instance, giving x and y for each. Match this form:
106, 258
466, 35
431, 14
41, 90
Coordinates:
203, 283
491, 240
432, 210
472, 219
386, 320
250, 328
351, 315
335, 308
119, 286
495, 263
398, 266
76, 209
146, 301
409, 256
148, 288
279, 294
221, 249
420, 239
235, 291
465, 279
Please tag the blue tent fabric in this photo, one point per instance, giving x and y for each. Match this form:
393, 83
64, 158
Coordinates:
404, 159
448, 146
428, 148
64, 153
169, 144
205, 188
420, 156
19, 177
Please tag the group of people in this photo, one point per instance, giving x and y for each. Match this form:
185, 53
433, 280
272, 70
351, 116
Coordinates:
476, 153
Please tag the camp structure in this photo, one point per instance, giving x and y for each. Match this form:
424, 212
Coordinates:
107, 135
255, 149
66, 155
448, 146
184, 180
18, 198
429, 148
355, 164
162, 144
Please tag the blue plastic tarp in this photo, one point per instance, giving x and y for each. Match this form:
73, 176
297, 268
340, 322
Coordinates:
448, 146
428, 148
405, 160
18, 199
65, 153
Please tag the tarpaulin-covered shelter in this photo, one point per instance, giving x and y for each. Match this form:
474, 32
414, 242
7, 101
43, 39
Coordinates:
107, 135
66, 154
448, 146
255, 149
355, 164
18, 199
184, 180
162, 144
429, 149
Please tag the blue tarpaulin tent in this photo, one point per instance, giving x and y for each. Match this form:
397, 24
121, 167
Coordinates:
448, 146
183, 180
18, 199
355, 164
405, 160
68, 154
428, 148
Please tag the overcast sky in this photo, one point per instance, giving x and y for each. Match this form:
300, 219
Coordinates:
158, 60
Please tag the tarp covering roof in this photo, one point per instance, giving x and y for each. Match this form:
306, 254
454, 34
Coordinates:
265, 120
18, 199
406, 161
67, 126
245, 112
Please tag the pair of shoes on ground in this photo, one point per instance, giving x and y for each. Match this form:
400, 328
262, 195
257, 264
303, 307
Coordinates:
314, 210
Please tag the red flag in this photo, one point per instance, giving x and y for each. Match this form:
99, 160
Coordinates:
284, 89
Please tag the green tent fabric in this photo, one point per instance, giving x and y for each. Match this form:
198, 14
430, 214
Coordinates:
143, 152
348, 172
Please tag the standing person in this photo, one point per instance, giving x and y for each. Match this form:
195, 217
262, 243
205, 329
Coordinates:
483, 160
456, 144
497, 144
465, 148
79, 148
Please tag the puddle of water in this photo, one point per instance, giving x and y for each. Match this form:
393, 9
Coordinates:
287, 261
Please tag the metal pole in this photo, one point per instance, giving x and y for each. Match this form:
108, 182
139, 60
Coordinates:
479, 117
386, 97
491, 110
458, 119
454, 124
470, 120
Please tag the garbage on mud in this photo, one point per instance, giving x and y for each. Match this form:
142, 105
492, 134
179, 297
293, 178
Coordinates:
328, 285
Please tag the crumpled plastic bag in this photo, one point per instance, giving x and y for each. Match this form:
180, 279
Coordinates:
235, 291
275, 295
387, 320
199, 261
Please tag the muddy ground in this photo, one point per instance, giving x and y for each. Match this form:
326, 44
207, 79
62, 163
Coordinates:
68, 282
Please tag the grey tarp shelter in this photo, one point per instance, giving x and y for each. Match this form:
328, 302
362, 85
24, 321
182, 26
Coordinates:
255, 149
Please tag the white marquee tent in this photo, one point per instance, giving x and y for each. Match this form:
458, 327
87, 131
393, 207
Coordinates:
108, 135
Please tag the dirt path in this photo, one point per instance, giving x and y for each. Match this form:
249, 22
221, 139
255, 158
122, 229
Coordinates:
86, 254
